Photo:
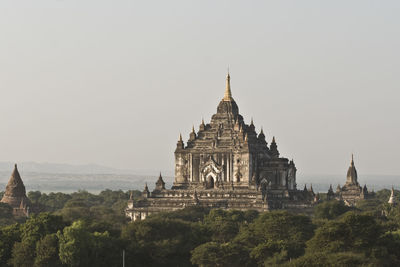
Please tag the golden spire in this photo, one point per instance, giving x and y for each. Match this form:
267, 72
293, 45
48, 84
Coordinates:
228, 93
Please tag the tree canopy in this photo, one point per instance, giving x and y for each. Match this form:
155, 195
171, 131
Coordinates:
84, 229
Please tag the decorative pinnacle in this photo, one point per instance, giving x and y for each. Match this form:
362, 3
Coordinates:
193, 129
273, 139
251, 121
262, 132
228, 93
352, 160
202, 121
180, 138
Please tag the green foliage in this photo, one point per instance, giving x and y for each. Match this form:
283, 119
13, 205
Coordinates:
37, 226
80, 247
354, 231
74, 243
330, 209
47, 252
109, 197
23, 255
9, 235
343, 259
34, 196
189, 214
84, 229
278, 234
57, 201
159, 241
216, 254
224, 225
6, 214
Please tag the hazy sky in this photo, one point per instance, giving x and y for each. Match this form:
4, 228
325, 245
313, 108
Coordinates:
115, 82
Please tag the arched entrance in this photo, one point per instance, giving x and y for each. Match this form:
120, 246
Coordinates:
210, 181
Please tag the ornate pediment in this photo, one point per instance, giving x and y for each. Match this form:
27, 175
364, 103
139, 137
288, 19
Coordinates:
211, 166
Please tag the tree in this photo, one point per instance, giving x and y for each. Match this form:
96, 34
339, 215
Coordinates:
276, 234
330, 209
354, 232
332, 260
37, 226
106, 250
47, 252
224, 224
6, 214
216, 254
74, 243
22, 254
52, 201
159, 241
189, 214
80, 247
8, 236
34, 196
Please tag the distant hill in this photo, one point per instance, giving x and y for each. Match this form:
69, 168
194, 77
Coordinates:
55, 177
60, 168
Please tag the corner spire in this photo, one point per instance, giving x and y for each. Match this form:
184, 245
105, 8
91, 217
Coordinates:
228, 93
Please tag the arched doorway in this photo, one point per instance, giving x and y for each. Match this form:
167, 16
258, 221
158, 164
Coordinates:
210, 181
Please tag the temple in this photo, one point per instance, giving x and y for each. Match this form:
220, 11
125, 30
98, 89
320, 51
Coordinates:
351, 191
15, 195
226, 164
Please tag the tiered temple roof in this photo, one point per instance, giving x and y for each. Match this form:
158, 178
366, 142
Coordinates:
226, 164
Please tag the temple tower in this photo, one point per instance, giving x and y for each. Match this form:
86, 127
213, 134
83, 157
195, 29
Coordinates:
351, 190
226, 164
15, 194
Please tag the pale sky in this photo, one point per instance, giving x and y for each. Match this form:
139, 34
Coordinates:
115, 82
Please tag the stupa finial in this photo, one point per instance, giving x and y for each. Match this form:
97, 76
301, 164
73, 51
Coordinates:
228, 93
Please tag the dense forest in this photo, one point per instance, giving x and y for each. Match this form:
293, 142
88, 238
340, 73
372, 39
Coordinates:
84, 229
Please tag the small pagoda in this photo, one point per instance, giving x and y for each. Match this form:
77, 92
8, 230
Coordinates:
15, 195
351, 191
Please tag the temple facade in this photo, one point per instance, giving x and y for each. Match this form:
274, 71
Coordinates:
351, 191
15, 195
226, 164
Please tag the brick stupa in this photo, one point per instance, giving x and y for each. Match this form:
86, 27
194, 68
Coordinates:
15, 194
